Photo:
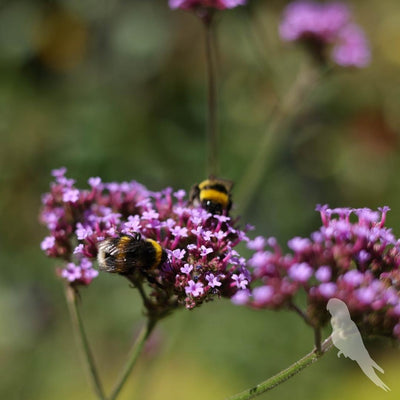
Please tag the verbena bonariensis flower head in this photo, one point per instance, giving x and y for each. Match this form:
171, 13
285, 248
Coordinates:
195, 5
323, 24
202, 262
353, 257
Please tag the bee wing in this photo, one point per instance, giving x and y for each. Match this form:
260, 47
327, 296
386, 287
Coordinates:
107, 252
117, 256
194, 193
228, 184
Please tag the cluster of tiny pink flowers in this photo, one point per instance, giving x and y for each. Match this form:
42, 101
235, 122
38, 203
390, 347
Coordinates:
202, 262
353, 257
325, 24
205, 4
78, 219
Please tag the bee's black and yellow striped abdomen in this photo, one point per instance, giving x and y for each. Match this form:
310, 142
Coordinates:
127, 254
214, 195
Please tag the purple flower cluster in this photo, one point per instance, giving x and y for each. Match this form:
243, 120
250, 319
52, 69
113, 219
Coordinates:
202, 262
353, 257
322, 24
204, 4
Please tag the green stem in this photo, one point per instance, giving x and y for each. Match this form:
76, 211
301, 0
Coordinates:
212, 132
275, 135
133, 356
317, 339
79, 331
317, 329
284, 375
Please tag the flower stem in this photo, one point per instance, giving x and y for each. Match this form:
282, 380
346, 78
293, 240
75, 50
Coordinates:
71, 295
133, 356
317, 339
284, 375
212, 132
300, 312
317, 329
275, 134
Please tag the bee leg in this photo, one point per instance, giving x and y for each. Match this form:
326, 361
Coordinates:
153, 280
146, 301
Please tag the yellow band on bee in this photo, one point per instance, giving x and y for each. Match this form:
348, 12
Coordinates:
123, 242
216, 196
158, 250
204, 184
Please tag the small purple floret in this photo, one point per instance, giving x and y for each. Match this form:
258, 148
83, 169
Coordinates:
300, 272
195, 289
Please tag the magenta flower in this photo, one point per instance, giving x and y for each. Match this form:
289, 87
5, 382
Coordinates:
213, 281
326, 24
240, 281
202, 262
352, 49
300, 272
194, 289
71, 272
187, 269
241, 297
305, 19
70, 195
355, 261
48, 243
203, 4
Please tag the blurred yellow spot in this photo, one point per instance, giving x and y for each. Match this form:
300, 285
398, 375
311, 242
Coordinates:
177, 379
357, 385
388, 38
61, 40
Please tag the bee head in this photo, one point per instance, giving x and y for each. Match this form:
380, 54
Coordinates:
137, 236
212, 207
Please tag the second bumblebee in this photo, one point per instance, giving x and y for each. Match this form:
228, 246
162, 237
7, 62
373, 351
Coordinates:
213, 194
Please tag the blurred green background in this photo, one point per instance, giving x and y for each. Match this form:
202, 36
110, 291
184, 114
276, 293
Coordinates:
116, 89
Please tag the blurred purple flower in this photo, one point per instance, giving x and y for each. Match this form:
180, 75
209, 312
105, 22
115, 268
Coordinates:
48, 243
213, 281
187, 269
323, 24
352, 49
323, 273
240, 281
194, 289
241, 297
71, 272
300, 272
203, 4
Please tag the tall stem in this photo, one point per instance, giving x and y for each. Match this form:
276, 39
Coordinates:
274, 135
317, 329
133, 356
284, 375
317, 340
212, 132
80, 334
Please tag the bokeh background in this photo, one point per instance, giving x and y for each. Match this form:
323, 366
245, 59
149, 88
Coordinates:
116, 88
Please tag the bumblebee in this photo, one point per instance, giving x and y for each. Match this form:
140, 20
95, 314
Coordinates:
127, 254
213, 194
